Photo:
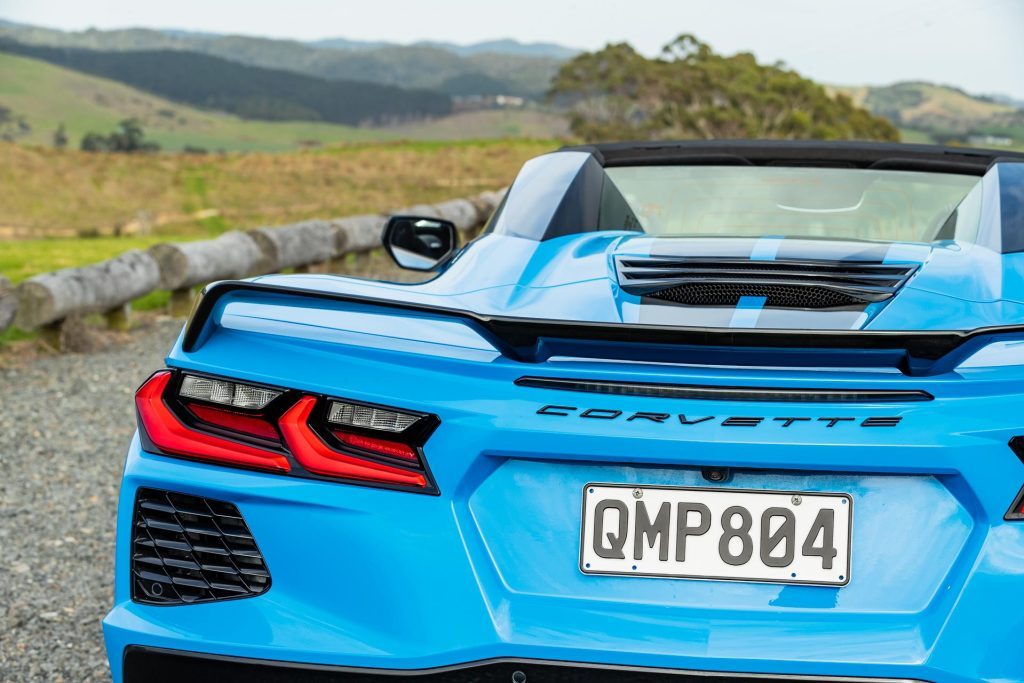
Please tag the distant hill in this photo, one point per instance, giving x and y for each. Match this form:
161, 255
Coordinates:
250, 92
513, 70
47, 96
508, 47
1006, 99
943, 114
498, 47
924, 112
349, 44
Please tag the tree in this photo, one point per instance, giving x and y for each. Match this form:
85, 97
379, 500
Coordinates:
129, 138
12, 126
94, 142
60, 137
692, 92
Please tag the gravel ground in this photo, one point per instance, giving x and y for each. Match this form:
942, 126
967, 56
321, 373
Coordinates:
65, 423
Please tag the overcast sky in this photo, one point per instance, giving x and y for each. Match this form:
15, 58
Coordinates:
975, 44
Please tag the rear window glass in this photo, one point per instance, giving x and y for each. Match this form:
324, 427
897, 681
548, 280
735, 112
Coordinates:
839, 203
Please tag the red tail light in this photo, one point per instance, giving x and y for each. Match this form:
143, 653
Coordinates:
170, 435
236, 422
316, 456
240, 424
394, 449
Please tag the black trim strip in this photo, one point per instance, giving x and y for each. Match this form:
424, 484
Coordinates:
158, 665
1011, 206
1017, 445
836, 153
1016, 511
726, 393
529, 339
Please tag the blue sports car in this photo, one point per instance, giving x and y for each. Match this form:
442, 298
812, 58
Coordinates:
702, 411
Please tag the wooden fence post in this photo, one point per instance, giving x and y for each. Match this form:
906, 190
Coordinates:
8, 304
180, 302
120, 317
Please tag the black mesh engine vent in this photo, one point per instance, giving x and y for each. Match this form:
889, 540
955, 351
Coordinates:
784, 283
187, 549
777, 296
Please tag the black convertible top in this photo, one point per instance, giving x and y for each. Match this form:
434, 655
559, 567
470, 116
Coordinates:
848, 154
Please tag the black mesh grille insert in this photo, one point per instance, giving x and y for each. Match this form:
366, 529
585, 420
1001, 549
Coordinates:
187, 549
784, 283
778, 296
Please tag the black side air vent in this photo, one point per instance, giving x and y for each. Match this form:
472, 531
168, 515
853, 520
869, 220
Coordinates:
784, 284
187, 549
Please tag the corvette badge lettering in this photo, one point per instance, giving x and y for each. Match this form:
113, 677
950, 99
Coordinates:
730, 421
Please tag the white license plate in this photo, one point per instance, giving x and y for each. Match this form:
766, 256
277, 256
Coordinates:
719, 534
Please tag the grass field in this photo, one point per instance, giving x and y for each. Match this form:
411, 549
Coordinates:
915, 136
497, 123
49, 197
20, 259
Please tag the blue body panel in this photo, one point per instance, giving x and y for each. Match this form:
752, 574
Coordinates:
488, 568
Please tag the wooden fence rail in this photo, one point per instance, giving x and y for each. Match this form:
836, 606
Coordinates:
48, 301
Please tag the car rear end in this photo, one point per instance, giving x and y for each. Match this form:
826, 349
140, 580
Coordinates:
467, 543
604, 445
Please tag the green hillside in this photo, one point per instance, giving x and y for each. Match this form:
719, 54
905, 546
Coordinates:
251, 92
927, 112
47, 95
410, 66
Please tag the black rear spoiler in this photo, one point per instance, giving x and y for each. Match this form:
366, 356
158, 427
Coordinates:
533, 340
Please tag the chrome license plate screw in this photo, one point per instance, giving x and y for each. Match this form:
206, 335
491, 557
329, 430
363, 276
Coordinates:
637, 493
796, 500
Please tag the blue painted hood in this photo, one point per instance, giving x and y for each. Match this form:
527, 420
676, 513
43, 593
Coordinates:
956, 286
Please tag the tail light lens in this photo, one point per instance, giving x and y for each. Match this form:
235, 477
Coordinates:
317, 456
369, 417
169, 434
227, 393
236, 422
395, 449
284, 431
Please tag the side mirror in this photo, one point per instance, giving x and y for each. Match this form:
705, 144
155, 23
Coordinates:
419, 243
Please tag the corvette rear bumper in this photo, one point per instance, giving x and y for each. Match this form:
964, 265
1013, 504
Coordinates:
376, 579
152, 665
